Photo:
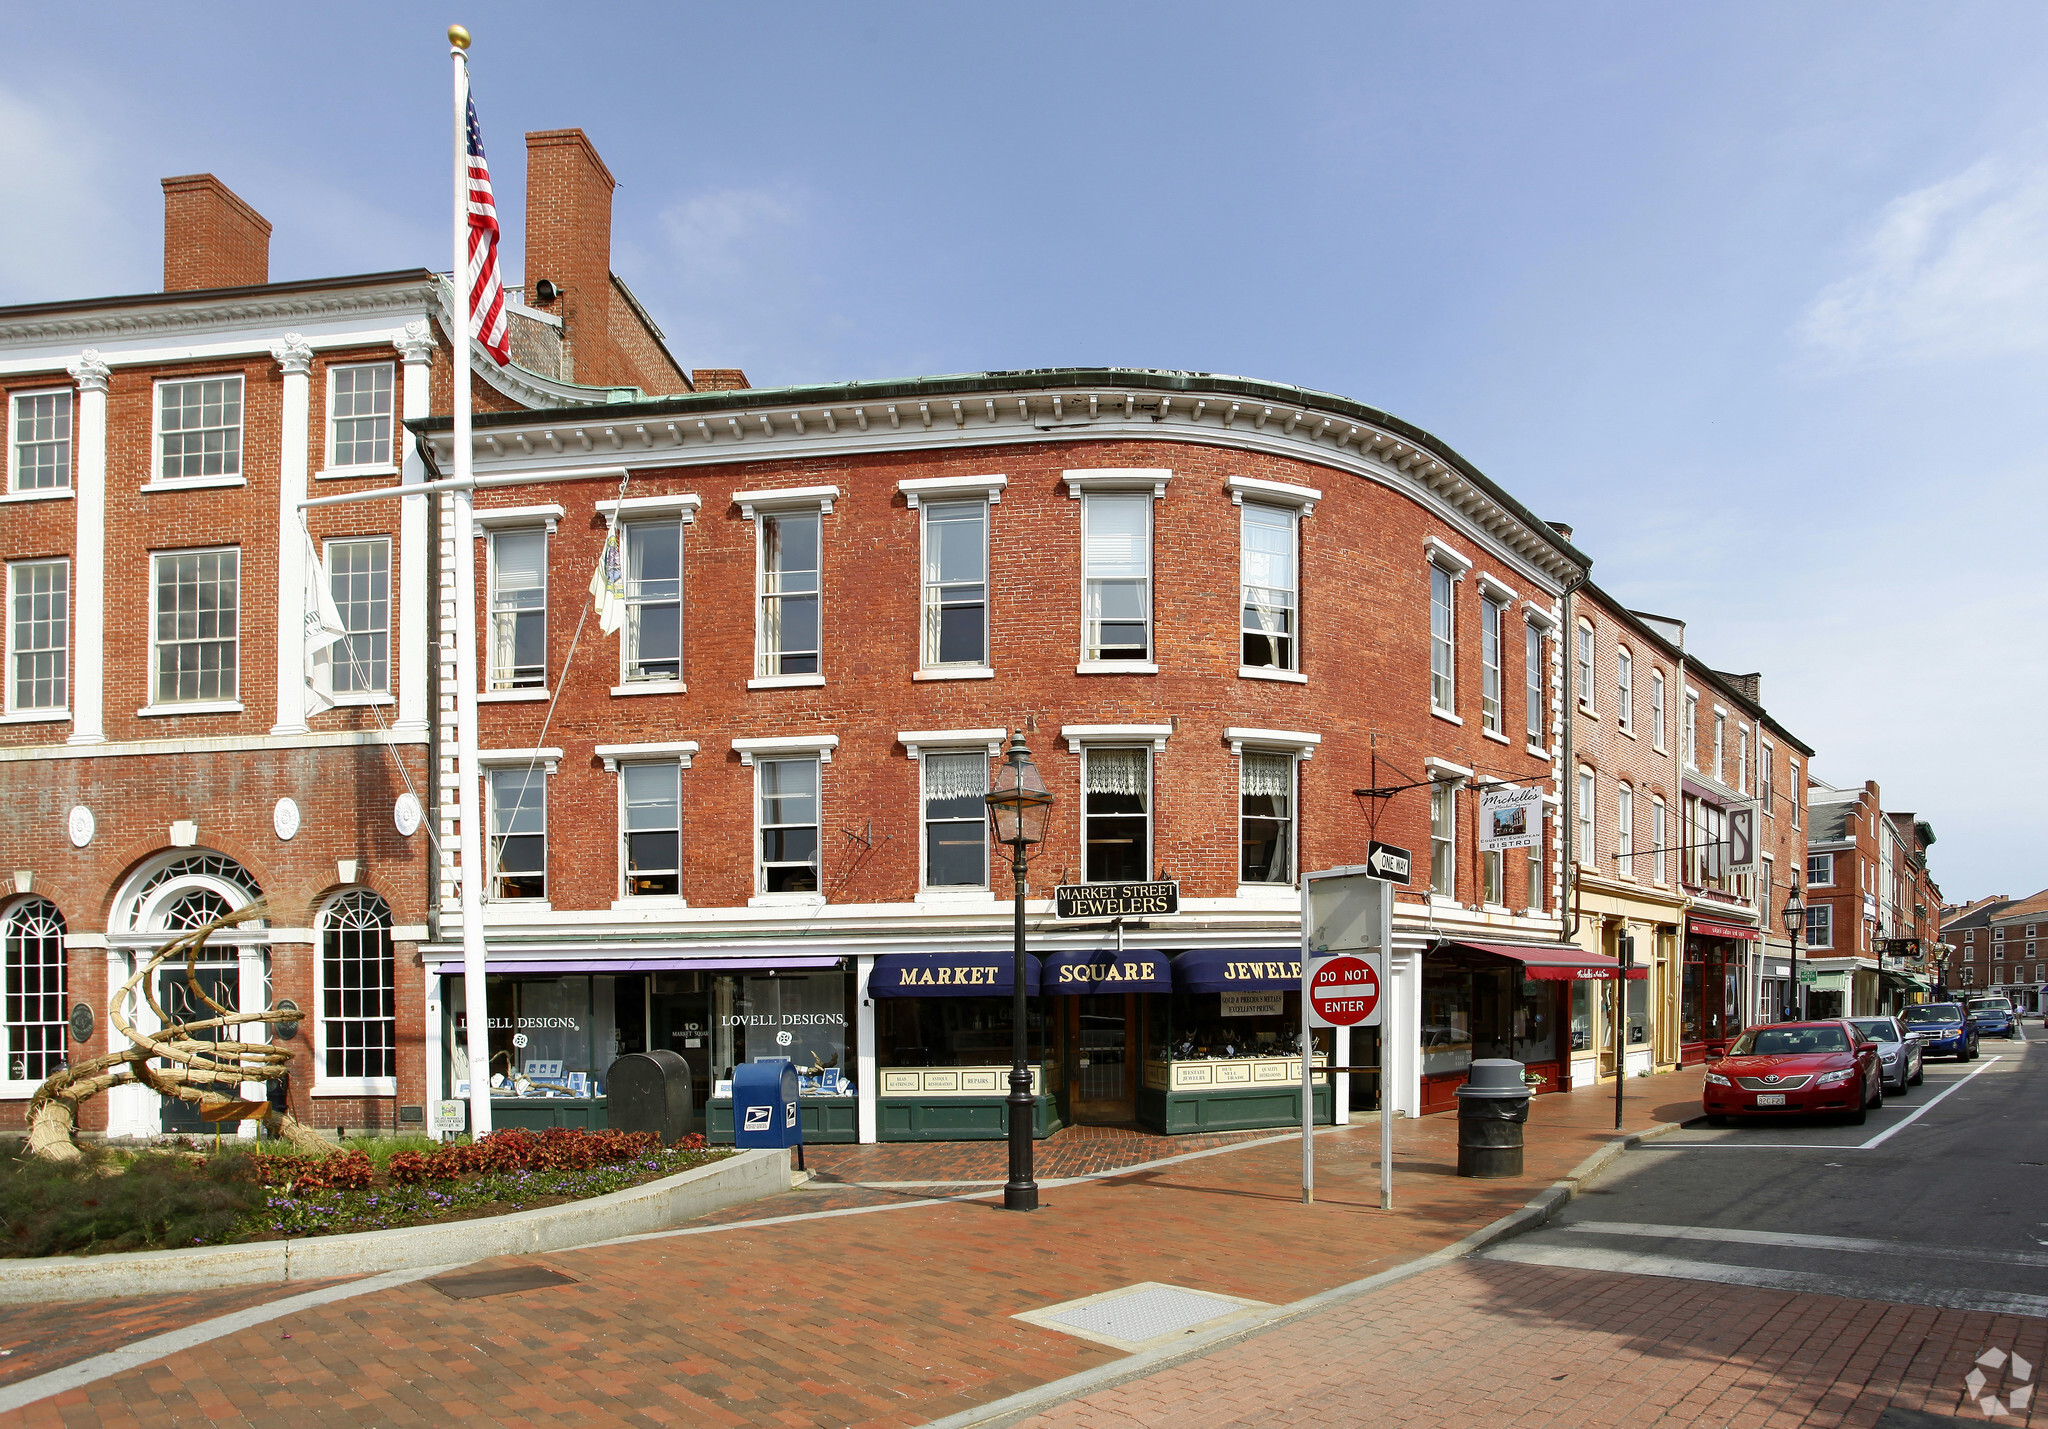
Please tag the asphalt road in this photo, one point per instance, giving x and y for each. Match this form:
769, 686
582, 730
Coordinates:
1940, 1198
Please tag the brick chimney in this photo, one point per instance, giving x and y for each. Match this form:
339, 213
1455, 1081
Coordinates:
211, 238
719, 379
569, 244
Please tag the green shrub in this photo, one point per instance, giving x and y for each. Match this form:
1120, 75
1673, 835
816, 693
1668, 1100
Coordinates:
106, 1202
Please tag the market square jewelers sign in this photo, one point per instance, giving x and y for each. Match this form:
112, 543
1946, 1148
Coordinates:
1115, 900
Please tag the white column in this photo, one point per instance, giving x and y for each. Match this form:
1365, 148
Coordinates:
128, 1108
89, 557
295, 356
436, 1087
868, 1113
252, 994
1401, 1054
416, 349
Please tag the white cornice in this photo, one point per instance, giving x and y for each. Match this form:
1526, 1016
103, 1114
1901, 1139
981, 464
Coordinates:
812, 432
256, 310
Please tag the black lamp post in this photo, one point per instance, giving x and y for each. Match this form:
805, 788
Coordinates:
1795, 924
1018, 809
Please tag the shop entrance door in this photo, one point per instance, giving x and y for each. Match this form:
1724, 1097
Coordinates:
1493, 1013
174, 995
1102, 1043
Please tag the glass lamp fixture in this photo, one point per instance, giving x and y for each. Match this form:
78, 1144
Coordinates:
1019, 804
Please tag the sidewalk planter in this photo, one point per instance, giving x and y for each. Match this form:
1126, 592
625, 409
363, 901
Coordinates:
746, 1176
826, 1119
1239, 1094
545, 1113
956, 1104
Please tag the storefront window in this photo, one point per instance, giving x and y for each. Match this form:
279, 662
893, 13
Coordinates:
954, 1031
1446, 1021
549, 1037
801, 1016
1212, 1026
1582, 1015
1638, 1012
1690, 1026
1535, 1026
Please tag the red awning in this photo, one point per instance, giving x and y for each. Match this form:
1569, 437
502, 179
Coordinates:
1558, 962
1708, 928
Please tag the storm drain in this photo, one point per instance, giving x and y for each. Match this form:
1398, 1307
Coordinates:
507, 1281
1140, 1317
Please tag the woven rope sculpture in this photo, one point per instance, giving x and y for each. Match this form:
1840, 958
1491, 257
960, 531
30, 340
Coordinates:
197, 1068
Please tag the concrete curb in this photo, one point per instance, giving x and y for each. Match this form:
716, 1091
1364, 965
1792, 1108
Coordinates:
747, 1176
1546, 1204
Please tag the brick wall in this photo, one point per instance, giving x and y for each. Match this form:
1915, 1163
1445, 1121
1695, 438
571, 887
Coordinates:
212, 239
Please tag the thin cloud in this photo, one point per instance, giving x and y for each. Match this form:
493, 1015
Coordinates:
59, 238
729, 232
1958, 269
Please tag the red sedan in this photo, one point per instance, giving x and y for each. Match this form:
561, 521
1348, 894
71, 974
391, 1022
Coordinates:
1795, 1069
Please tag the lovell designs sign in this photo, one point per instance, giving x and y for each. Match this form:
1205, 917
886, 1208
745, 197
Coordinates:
1115, 900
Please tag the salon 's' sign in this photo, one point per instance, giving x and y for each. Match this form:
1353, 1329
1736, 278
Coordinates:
1115, 900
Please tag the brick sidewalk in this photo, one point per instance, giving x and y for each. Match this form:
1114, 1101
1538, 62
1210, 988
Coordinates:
892, 1316
1491, 1343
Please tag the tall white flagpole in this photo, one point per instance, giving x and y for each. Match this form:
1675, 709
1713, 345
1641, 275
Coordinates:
469, 800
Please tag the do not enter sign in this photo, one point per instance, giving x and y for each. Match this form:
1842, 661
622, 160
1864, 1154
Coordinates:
1344, 991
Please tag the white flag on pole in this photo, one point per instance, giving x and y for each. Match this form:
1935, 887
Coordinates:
608, 584
324, 626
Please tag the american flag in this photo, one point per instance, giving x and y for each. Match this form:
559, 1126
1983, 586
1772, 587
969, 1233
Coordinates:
486, 286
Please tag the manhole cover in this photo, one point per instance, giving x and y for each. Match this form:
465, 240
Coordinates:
500, 1282
1140, 1316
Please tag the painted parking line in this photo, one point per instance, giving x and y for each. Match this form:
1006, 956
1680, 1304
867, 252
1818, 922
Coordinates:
1795, 1241
1619, 1262
1672, 1143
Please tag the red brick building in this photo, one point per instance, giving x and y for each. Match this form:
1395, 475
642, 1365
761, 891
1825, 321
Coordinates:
156, 749
1873, 906
1997, 945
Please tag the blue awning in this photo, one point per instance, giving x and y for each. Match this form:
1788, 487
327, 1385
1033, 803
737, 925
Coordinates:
1237, 970
950, 975
1077, 972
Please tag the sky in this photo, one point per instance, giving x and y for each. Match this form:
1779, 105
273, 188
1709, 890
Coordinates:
1753, 296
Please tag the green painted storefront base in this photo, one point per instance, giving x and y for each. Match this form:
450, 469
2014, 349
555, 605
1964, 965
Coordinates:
542, 1113
826, 1119
1179, 1113
912, 1118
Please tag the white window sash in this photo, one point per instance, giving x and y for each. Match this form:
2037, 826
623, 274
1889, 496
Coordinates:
45, 662
226, 641
26, 434
380, 422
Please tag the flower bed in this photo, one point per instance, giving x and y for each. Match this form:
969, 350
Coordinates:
139, 1201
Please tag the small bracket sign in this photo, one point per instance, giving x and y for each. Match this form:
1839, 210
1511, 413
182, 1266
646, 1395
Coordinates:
1115, 900
1388, 862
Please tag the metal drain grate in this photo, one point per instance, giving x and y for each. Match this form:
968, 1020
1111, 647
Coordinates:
1140, 1316
508, 1281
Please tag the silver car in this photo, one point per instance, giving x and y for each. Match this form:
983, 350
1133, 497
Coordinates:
1898, 1052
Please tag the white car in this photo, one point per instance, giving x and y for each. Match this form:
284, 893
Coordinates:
1898, 1052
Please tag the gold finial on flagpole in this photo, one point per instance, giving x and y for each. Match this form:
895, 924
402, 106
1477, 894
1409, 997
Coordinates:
458, 37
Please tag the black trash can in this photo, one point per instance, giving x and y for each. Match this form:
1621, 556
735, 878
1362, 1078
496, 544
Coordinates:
649, 1091
1492, 1107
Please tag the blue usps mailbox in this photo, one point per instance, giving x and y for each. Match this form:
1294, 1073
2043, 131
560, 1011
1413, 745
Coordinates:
765, 1109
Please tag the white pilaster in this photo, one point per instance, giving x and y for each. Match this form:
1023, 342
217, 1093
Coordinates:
131, 1110
415, 346
252, 994
89, 557
1401, 1054
295, 356
868, 1116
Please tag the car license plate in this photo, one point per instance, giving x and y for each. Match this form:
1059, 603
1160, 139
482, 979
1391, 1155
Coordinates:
1770, 1098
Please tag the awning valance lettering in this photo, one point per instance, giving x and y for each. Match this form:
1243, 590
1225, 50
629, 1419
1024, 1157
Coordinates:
1237, 970
1707, 928
1078, 972
950, 975
1558, 962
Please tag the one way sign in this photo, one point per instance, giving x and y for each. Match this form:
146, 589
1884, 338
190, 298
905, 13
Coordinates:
1386, 861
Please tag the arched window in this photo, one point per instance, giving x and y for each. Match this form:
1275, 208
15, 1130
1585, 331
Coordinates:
175, 893
358, 1011
34, 991
195, 908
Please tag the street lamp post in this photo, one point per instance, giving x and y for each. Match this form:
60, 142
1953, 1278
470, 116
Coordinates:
1018, 809
1795, 924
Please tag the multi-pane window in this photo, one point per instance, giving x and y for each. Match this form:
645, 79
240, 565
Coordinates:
1820, 925
198, 603
199, 428
519, 609
519, 832
1624, 690
1532, 864
1719, 768
359, 415
42, 441
38, 630
1271, 588
1532, 677
652, 829
1742, 760
1657, 708
1490, 887
955, 584
1117, 818
1489, 665
1116, 558
1585, 666
1443, 635
34, 990
1820, 869
652, 552
1265, 826
1585, 813
788, 824
955, 820
1766, 756
1794, 797
1443, 838
1657, 843
1625, 831
358, 982
1688, 738
1969, 935
359, 576
788, 632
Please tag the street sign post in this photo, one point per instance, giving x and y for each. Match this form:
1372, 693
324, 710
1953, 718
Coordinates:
1388, 862
1347, 934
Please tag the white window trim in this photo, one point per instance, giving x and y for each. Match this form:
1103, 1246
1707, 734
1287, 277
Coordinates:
500, 758
681, 750
820, 745
1454, 574
1440, 553
1538, 616
1660, 813
232, 705
1287, 677
358, 698
785, 498
1085, 666
638, 510
1625, 830
492, 759
39, 714
1299, 743
614, 756
651, 687
1116, 667
514, 518
917, 742
919, 489
1766, 769
1299, 748
1078, 747
956, 672
1625, 695
485, 520
682, 504
1490, 605
1443, 770
1449, 783
1658, 683
157, 481
324, 1085
1494, 589
1277, 493
71, 475
1586, 835
1586, 691
376, 468
960, 497
1130, 478
1078, 736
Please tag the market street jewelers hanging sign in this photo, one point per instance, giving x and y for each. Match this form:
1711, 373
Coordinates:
1115, 900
